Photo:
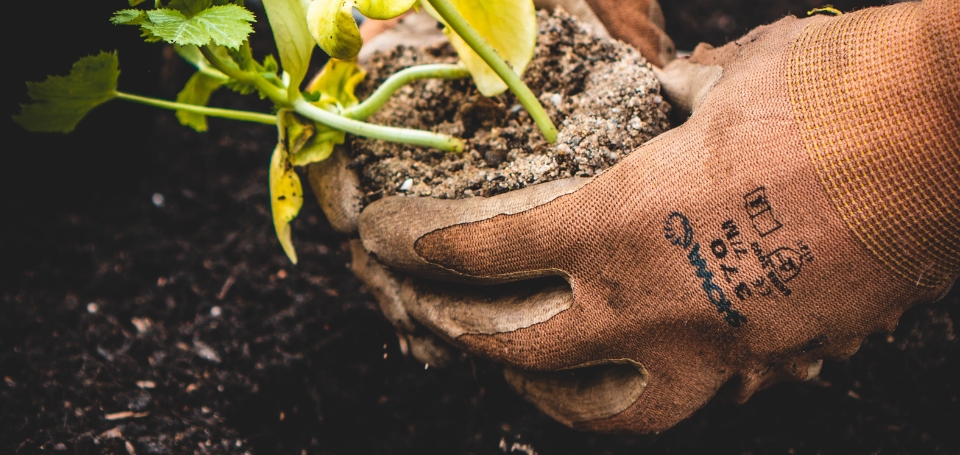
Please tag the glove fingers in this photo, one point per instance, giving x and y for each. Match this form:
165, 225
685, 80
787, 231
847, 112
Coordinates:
579, 9
639, 23
453, 310
385, 287
581, 394
391, 229
686, 84
383, 284
338, 190
533, 325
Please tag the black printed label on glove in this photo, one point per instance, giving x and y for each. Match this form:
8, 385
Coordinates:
778, 265
679, 232
734, 256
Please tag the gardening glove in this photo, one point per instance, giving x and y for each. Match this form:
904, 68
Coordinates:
810, 199
338, 187
639, 23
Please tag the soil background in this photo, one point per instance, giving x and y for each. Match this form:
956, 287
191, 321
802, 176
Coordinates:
204, 338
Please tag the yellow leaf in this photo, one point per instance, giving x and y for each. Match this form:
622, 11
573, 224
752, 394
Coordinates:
383, 9
332, 25
319, 147
509, 26
337, 82
308, 142
286, 193
289, 26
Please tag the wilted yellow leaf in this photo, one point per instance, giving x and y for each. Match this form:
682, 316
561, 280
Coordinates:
509, 26
337, 82
286, 193
332, 25
332, 89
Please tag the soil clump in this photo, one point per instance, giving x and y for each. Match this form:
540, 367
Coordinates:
602, 95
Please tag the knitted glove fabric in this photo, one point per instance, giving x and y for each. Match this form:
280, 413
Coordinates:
810, 199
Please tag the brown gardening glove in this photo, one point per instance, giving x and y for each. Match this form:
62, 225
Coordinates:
811, 198
639, 23
337, 186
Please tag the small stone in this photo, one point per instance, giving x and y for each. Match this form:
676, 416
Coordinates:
142, 324
215, 311
556, 99
204, 350
93, 308
406, 185
157, 199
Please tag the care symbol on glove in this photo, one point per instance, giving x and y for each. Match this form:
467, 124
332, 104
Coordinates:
760, 212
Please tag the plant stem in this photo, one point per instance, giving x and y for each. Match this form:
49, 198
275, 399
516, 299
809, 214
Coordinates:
489, 55
255, 117
403, 77
276, 94
335, 121
386, 133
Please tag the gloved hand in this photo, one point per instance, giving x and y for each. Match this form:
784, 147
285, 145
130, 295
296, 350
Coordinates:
639, 22
811, 198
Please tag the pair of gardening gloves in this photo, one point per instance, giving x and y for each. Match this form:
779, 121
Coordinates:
812, 196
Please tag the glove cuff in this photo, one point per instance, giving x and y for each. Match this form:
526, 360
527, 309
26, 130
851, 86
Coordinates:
876, 95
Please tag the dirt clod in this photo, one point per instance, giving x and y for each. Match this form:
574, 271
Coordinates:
601, 94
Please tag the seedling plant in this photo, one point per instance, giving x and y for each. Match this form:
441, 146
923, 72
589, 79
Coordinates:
494, 39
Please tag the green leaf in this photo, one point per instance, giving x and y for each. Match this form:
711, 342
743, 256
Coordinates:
197, 92
135, 17
286, 191
269, 65
268, 69
225, 25
288, 22
135, 2
60, 102
333, 28
509, 26
129, 17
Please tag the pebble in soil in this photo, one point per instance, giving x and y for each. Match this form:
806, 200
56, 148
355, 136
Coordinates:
602, 95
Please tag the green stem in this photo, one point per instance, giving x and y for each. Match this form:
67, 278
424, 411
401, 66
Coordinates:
276, 94
255, 117
489, 55
212, 72
399, 79
335, 121
386, 133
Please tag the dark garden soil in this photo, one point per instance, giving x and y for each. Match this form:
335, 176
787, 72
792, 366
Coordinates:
148, 308
601, 94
